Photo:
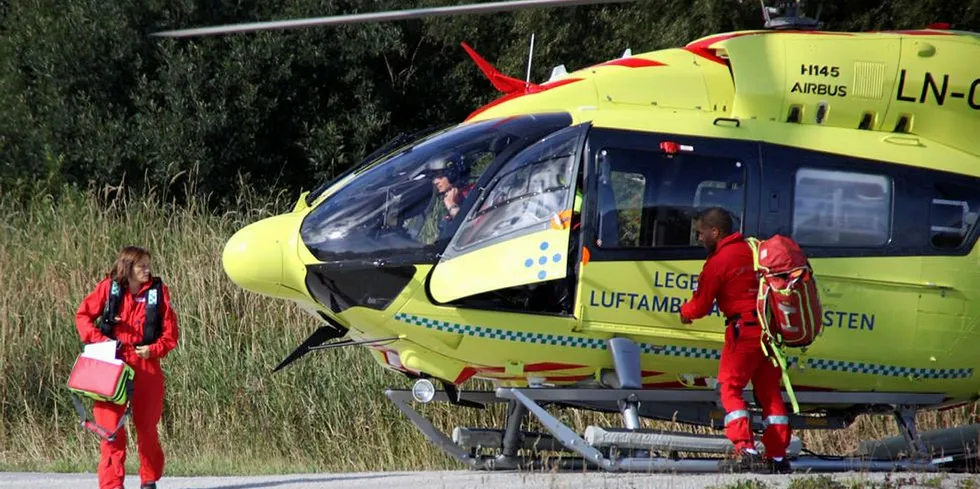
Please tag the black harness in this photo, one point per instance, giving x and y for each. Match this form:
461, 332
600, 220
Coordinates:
738, 321
154, 312
747, 320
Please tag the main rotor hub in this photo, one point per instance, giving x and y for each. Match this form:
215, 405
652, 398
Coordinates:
790, 17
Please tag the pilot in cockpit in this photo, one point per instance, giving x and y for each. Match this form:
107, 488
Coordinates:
448, 173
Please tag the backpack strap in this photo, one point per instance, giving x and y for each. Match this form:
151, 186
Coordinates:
108, 320
754, 245
99, 430
778, 358
154, 312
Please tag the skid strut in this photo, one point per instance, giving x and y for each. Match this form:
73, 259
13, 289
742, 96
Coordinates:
402, 398
626, 358
905, 418
512, 439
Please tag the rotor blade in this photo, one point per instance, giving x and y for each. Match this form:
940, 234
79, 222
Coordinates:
481, 8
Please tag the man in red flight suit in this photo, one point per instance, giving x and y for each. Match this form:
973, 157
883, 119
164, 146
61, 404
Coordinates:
132, 272
728, 277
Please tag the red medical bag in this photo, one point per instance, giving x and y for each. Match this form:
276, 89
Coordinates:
102, 380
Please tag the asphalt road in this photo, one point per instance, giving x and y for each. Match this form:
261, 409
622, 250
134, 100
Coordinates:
483, 480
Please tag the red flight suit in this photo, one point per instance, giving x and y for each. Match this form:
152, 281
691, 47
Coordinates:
148, 381
728, 277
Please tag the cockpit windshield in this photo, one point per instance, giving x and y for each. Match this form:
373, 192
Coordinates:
411, 199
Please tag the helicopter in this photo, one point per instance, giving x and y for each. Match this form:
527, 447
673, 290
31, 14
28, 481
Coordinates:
546, 243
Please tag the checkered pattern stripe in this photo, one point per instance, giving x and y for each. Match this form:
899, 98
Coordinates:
550, 339
503, 334
889, 370
674, 350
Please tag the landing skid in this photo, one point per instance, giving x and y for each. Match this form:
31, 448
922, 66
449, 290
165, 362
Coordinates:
637, 450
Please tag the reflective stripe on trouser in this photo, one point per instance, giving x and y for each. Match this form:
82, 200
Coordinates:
771, 420
742, 360
777, 434
735, 415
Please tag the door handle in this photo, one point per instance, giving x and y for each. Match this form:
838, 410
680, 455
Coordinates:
902, 140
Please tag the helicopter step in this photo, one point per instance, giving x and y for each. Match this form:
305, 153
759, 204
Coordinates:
659, 440
477, 438
610, 438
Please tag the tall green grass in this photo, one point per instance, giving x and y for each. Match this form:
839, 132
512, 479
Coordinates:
225, 411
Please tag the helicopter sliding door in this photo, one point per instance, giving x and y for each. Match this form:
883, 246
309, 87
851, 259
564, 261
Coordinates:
645, 191
517, 233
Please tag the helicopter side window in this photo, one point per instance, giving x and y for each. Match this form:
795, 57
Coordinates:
528, 191
952, 215
649, 200
843, 209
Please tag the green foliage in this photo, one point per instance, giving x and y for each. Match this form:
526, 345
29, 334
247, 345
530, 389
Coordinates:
889, 481
817, 482
89, 98
745, 484
892, 481
972, 483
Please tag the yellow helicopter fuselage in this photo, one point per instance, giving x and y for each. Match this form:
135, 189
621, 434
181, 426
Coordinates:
865, 147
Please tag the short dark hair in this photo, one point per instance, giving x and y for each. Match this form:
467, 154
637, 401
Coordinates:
717, 217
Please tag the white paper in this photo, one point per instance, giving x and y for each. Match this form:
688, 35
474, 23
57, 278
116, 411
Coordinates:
105, 351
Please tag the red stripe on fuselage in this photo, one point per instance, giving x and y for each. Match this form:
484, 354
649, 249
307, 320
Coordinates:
922, 32
531, 90
700, 48
631, 63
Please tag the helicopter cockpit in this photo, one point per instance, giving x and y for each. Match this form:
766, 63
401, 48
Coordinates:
409, 202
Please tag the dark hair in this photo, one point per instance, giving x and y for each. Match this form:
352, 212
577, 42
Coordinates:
717, 217
123, 266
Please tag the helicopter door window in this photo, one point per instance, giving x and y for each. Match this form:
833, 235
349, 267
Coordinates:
527, 192
621, 208
952, 215
841, 209
648, 200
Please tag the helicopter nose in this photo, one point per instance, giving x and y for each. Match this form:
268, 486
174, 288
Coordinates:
253, 257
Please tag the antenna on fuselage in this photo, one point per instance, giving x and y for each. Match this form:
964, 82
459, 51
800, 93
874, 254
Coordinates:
530, 54
765, 11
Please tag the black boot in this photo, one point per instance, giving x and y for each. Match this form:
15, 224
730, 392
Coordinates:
743, 462
149, 485
780, 467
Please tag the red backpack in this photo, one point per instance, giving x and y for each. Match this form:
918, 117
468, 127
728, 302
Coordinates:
788, 298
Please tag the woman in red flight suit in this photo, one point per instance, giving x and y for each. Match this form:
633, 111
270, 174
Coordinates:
131, 272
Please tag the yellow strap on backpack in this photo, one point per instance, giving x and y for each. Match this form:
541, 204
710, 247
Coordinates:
778, 359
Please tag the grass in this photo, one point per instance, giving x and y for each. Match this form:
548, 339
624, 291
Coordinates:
817, 482
225, 412
745, 484
968, 484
